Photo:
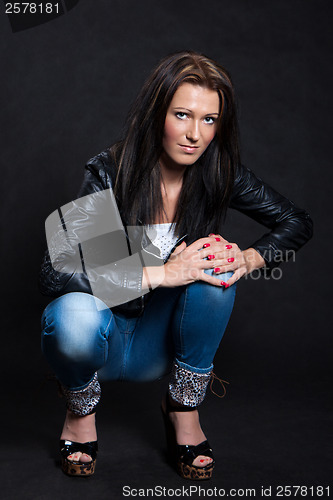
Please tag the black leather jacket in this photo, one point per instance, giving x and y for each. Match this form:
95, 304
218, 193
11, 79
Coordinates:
290, 228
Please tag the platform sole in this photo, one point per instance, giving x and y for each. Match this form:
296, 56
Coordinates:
194, 473
78, 469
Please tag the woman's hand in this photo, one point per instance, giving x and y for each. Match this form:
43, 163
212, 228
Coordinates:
228, 257
188, 263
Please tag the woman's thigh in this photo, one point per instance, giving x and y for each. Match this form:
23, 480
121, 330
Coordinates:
79, 334
148, 344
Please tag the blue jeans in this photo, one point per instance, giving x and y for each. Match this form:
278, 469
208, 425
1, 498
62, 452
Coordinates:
184, 323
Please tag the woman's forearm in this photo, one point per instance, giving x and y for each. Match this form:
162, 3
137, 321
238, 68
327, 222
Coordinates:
253, 260
152, 277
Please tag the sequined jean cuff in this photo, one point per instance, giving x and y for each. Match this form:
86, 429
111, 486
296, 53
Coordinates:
187, 387
84, 401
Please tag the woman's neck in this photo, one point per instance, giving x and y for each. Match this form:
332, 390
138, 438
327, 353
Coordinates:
171, 172
171, 185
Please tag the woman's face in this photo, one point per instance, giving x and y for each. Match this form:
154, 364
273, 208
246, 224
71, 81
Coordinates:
190, 124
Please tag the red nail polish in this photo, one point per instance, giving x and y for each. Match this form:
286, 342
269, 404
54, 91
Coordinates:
218, 239
226, 285
231, 259
210, 257
202, 460
228, 246
211, 234
223, 283
217, 269
206, 245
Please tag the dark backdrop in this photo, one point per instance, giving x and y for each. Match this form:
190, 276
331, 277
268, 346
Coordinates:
66, 87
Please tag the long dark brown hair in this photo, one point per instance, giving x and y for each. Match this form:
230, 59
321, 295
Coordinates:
207, 184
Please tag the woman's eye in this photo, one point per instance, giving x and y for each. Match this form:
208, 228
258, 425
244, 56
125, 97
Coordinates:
181, 115
209, 120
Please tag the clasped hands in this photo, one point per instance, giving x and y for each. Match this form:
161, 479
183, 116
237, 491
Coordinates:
188, 263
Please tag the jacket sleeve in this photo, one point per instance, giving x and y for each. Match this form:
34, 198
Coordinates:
89, 249
53, 282
290, 226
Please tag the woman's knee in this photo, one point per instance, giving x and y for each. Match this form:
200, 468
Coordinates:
72, 324
221, 295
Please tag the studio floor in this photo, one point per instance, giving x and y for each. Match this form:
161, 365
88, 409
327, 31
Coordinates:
265, 434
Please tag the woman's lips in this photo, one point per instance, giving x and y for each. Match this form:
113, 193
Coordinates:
189, 149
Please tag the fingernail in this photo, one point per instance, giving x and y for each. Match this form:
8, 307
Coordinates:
206, 245
223, 283
211, 234
202, 461
217, 269
218, 239
231, 259
210, 257
228, 246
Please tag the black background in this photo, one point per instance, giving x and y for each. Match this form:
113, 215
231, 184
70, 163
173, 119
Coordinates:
66, 87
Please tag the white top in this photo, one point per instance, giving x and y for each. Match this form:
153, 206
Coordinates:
162, 236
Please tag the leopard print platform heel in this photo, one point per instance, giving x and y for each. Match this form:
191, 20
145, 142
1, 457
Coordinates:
79, 469
183, 456
80, 402
187, 390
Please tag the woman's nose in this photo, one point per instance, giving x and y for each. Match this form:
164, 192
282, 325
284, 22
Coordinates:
193, 131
